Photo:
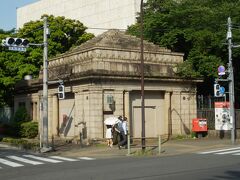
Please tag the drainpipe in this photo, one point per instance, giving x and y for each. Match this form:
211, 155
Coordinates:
170, 114
103, 113
181, 123
124, 103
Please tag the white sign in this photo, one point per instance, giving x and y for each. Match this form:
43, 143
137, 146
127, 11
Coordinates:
15, 48
222, 116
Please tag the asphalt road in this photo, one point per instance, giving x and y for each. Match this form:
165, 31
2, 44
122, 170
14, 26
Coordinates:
188, 166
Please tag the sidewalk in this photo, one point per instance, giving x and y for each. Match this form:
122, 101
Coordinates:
169, 148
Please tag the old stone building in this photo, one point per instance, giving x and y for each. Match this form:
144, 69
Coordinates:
102, 78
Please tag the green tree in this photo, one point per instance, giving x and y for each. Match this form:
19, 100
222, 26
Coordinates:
64, 34
196, 28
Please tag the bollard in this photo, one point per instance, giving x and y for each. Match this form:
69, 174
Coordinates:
81, 139
159, 145
52, 142
128, 145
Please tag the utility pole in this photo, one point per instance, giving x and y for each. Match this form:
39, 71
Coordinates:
142, 79
18, 44
231, 80
45, 147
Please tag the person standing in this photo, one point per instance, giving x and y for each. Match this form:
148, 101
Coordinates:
109, 136
123, 132
116, 129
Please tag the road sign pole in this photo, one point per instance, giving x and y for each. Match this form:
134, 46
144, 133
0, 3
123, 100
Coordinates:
142, 79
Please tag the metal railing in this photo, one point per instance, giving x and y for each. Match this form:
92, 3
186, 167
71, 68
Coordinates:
158, 144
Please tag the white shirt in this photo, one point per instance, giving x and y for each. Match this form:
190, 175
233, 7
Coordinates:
124, 126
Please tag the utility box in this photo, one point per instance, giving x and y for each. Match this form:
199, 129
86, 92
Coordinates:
199, 126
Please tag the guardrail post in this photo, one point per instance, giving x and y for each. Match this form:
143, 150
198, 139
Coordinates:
159, 145
128, 145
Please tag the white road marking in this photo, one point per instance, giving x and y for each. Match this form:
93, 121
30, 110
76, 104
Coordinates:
86, 158
28, 160
229, 152
10, 163
220, 150
42, 159
63, 158
25, 160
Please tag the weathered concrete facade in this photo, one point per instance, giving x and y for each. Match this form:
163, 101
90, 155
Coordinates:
102, 78
95, 14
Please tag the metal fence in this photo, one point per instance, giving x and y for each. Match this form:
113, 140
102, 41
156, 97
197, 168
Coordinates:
6, 114
205, 102
209, 114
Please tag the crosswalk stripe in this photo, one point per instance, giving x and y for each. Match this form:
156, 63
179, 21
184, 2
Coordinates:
10, 163
216, 151
28, 160
229, 152
63, 158
86, 158
43, 159
24, 160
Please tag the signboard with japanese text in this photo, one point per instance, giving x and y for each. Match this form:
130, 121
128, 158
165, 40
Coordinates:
222, 116
15, 48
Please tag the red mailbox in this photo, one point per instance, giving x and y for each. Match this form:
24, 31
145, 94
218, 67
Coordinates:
199, 125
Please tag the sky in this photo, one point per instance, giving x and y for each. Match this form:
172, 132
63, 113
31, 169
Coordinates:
8, 12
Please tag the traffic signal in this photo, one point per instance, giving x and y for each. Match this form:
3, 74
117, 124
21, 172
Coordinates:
218, 90
61, 92
19, 42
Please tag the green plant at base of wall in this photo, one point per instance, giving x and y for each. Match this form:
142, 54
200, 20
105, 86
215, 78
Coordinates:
29, 129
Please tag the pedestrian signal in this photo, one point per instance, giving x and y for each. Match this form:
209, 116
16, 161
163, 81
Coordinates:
218, 90
61, 92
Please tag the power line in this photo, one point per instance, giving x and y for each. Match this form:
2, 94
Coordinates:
106, 28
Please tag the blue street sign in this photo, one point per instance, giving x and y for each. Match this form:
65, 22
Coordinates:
222, 90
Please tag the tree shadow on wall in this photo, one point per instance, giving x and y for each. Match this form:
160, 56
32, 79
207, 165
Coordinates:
68, 126
65, 125
185, 128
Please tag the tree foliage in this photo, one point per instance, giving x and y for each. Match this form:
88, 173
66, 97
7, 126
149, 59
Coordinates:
64, 34
196, 28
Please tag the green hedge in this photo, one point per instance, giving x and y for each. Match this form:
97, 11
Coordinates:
22, 143
29, 129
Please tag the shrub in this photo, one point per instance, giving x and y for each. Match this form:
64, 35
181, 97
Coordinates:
15, 128
25, 144
4, 128
14, 141
21, 115
29, 129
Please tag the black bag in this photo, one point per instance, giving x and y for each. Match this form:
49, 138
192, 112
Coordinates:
116, 137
